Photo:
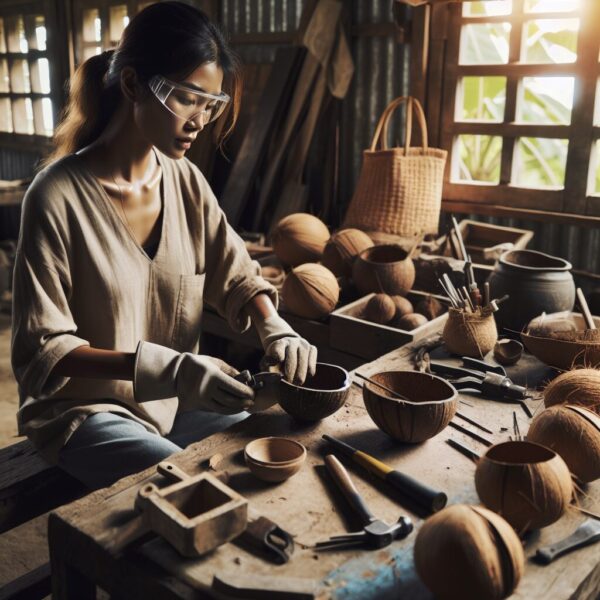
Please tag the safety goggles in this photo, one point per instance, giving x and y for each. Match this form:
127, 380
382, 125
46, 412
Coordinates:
186, 103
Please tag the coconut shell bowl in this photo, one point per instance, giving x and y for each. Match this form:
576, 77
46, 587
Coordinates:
527, 483
429, 405
274, 459
560, 340
320, 396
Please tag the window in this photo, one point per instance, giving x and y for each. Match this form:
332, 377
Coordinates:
100, 24
26, 103
521, 111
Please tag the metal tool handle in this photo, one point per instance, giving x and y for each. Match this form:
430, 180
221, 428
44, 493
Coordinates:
587, 533
480, 365
347, 487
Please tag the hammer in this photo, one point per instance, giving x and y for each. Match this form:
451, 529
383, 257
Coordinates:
376, 533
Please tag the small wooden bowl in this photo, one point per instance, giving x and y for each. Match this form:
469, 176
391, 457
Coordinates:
431, 405
321, 395
508, 352
274, 459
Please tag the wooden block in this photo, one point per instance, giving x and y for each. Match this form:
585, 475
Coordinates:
195, 515
355, 335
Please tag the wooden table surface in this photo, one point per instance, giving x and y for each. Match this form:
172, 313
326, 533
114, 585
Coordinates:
83, 536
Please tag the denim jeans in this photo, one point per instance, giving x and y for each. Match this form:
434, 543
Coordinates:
107, 446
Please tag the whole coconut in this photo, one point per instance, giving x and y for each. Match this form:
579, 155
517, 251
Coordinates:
380, 309
429, 307
574, 433
403, 306
470, 553
342, 248
410, 321
310, 291
299, 238
580, 386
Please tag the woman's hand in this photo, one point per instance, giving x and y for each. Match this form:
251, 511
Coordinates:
283, 346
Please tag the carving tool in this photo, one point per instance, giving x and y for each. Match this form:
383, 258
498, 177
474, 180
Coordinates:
585, 309
587, 533
473, 422
424, 496
375, 533
465, 450
470, 433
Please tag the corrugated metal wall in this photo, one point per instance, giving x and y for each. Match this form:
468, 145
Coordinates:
382, 73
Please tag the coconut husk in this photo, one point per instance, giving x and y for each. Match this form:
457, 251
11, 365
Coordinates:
526, 483
579, 386
342, 248
410, 321
299, 238
470, 553
310, 291
387, 269
469, 334
320, 396
431, 403
574, 433
379, 309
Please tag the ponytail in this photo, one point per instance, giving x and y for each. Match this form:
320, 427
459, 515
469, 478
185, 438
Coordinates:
92, 102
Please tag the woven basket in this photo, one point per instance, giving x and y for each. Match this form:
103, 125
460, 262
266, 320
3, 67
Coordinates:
399, 190
469, 334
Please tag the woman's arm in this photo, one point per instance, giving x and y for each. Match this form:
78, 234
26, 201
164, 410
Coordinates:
260, 308
96, 364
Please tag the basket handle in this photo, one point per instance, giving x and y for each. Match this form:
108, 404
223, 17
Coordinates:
381, 131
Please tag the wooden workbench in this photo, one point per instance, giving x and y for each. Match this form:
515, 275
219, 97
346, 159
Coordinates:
84, 534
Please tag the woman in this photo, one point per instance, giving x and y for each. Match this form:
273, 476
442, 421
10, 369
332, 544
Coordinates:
121, 242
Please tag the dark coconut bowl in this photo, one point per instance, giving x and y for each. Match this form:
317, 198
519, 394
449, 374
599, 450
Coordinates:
319, 396
431, 403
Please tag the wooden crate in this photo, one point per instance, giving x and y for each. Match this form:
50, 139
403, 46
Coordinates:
354, 335
479, 237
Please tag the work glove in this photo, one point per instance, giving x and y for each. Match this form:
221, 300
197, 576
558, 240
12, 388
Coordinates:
282, 345
196, 380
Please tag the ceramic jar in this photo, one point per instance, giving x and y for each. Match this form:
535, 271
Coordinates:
536, 283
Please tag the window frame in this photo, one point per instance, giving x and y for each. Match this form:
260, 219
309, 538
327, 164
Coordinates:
27, 8
573, 199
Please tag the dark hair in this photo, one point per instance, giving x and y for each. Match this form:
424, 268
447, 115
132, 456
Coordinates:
166, 38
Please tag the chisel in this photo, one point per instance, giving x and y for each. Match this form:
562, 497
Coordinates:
426, 497
587, 533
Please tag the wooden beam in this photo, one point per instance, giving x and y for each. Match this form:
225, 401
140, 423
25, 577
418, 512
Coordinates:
518, 70
511, 130
510, 212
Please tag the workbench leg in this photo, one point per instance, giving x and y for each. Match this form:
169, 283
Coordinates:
70, 584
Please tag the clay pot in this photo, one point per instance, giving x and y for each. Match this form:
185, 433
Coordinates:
431, 404
536, 283
528, 484
274, 459
469, 334
321, 395
387, 269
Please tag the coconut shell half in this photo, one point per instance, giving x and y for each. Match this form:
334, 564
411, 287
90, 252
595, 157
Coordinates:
431, 403
469, 553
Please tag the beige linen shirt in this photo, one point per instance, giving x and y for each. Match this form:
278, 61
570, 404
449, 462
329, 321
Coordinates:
81, 278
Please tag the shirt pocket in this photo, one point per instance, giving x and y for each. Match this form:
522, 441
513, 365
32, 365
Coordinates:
188, 312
